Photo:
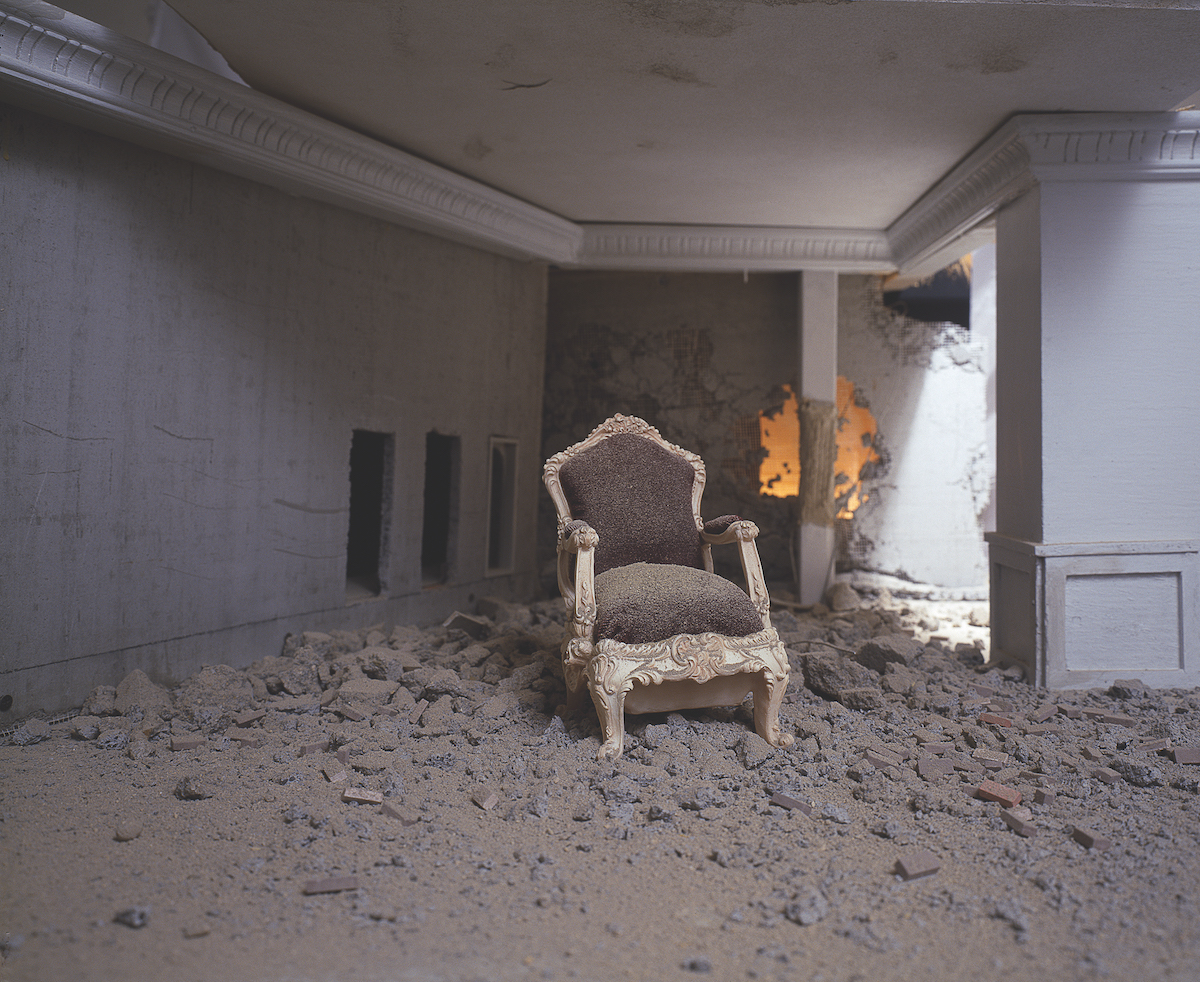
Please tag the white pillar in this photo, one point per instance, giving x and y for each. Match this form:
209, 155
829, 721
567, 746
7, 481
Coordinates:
1094, 561
817, 373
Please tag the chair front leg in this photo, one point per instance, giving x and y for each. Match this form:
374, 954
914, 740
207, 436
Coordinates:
769, 690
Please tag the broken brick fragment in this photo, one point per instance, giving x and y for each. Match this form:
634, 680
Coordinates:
1091, 753
487, 800
790, 803
186, 743
1106, 774
1187, 755
1043, 729
332, 884
1044, 797
1043, 713
1118, 719
933, 768
349, 712
992, 791
1016, 820
1154, 746
246, 719
881, 757
363, 796
417, 710
938, 747
306, 749
914, 865
994, 719
1089, 839
392, 812
1071, 712
334, 776
245, 739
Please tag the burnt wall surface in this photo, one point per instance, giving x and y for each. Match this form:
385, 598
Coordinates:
184, 356
697, 355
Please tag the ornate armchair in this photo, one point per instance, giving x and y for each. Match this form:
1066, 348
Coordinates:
650, 627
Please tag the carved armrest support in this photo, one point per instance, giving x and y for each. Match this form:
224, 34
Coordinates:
578, 592
744, 533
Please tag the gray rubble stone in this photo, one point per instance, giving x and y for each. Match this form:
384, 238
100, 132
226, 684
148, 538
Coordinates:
877, 653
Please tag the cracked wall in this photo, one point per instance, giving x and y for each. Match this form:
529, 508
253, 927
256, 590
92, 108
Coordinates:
929, 496
699, 356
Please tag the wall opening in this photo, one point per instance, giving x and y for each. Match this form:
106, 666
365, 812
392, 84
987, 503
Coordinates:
779, 433
370, 512
502, 505
441, 507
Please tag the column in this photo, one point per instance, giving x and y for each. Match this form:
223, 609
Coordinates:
817, 374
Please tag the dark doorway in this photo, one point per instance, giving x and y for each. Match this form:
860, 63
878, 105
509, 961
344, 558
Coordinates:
441, 507
370, 511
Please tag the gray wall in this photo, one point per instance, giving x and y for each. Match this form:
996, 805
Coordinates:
184, 356
698, 355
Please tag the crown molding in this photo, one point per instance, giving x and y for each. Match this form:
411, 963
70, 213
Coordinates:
55, 62
719, 248
1031, 149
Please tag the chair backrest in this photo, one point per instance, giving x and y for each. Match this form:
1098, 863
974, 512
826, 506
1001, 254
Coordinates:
640, 493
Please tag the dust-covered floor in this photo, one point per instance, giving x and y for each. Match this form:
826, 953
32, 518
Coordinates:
498, 848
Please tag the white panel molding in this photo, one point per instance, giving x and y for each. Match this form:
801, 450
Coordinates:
733, 248
55, 62
1036, 148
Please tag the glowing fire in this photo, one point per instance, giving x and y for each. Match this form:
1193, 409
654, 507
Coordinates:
779, 473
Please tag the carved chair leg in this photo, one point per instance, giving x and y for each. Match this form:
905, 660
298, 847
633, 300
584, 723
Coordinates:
768, 697
611, 710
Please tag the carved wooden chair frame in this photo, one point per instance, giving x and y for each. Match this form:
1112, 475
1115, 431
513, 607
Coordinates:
684, 671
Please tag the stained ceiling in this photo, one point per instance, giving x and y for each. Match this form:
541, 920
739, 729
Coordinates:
714, 112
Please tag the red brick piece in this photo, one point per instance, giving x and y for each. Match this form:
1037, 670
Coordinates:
938, 747
363, 796
245, 739
1187, 755
1090, 840
334, 884
1106, 774
1118, 719
245, 719
313, 748
790, 803
487, 800
982, 690
914, 865
1154, 746
998, 792
1091, 753
1071, 712
186, 743
1095, 713
994, 719
1043, 729
1044, 797
415, 713
1018, 823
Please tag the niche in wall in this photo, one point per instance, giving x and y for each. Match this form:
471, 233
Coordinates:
370, 513
502, 502
441, 507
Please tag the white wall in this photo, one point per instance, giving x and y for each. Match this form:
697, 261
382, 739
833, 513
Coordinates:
183, 358
927, 386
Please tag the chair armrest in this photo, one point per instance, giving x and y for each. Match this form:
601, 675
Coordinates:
743, 533
578, 591
577, 535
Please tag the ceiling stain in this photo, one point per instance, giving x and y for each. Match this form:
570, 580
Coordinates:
691, 18
1000, 61
674, 74
475, 148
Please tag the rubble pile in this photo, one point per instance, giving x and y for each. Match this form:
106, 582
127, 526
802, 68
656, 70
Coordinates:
411, 794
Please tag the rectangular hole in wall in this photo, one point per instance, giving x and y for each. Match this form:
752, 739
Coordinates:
502, 498
370, 513
441, 507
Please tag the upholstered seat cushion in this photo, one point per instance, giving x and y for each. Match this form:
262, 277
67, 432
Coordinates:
652, 601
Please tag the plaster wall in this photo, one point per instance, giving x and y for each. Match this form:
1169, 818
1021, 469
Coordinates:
1120, 354
185, 355
698, 355
929, 497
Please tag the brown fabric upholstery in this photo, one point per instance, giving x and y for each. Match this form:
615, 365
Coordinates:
715, 526
637, 495
653, 601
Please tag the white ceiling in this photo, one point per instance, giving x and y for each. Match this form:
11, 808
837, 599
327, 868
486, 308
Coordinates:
710, 112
